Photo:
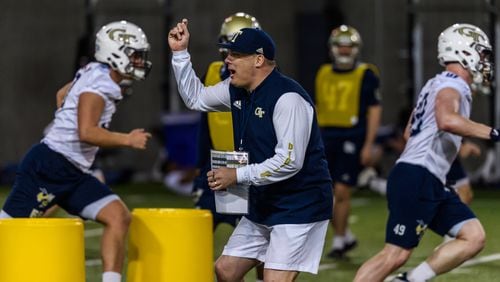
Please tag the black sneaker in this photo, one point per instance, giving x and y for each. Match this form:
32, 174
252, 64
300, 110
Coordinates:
351, 245
341, 253
401, 277
336, 254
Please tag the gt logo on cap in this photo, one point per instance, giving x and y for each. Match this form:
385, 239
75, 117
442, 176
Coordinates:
236, 36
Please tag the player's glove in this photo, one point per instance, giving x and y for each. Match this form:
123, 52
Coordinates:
494, 135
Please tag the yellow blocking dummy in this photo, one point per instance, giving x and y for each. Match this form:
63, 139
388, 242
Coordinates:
42, 250
167, 245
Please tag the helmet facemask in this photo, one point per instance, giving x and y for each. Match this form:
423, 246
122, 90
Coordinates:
483, 75
485, 67
341, 37
138, 67
344, 60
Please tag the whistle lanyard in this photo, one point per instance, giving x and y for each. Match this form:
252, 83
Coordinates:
244, 117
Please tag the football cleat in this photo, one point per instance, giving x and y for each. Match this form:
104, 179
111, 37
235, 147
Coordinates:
401, 277
341, 253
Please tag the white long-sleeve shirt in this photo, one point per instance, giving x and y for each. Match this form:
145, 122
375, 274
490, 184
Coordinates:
288, 119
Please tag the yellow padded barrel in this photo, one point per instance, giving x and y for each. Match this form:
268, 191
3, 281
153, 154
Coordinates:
167, 245
42, 250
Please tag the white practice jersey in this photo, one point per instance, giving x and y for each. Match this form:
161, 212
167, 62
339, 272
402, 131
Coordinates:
62, 136
428, 146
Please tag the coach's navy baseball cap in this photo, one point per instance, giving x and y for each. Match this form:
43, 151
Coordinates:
251, 41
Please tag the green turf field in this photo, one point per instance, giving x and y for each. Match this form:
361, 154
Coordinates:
367, 222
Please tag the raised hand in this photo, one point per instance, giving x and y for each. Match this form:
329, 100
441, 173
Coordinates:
178, 36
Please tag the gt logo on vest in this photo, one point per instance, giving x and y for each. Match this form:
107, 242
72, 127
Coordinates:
259, 112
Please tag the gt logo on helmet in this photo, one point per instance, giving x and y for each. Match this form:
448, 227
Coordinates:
470, 32
122, 36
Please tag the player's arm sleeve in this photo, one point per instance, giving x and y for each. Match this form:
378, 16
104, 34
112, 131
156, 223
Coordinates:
292, 120
195, 95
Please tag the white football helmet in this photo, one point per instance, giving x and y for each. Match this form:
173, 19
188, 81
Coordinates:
468, 45
344, 35
232, 25
124, 47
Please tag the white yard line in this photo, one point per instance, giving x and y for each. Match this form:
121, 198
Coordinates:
471, 262
93, 262
481, 260
93, 232
325, 266
360, 202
